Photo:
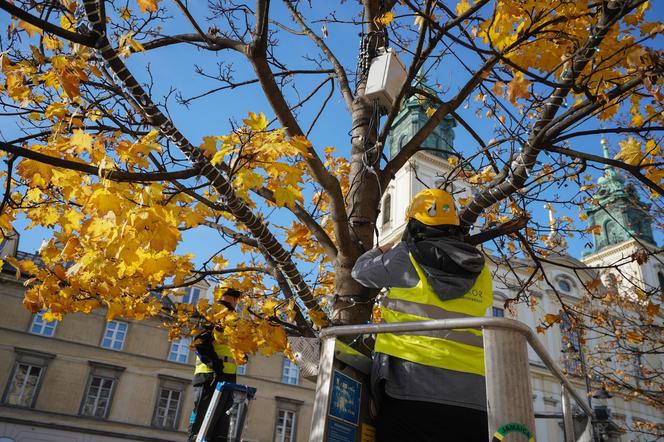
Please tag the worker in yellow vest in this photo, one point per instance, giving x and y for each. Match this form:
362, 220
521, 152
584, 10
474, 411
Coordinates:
214, 363
429, 386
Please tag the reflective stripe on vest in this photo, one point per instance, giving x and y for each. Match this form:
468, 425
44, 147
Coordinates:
224, 353
459, 349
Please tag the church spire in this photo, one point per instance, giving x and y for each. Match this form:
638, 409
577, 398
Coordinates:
617, 209
412, 117
555, 241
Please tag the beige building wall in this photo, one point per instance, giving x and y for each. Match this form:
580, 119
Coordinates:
71, 355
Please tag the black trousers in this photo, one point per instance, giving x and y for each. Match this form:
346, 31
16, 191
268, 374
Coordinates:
401, 420
203, 391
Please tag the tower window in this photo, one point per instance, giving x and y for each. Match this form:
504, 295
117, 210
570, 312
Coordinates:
660, 278
564, 285
387, 209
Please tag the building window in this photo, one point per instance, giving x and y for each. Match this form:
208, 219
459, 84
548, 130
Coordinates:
179, 351
242, 369
387, 209
285, 429
98, 397
497, 312
168, 407
26, 377
99, 390
41, 327
191, 295
115, 334
290, 373
564, 285
660, 279
22, 389
169, 402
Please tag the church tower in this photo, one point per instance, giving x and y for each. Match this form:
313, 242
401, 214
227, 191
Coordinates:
625, 227
428, 168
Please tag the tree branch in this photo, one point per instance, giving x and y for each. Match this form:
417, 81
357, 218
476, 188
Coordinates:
110, 174
75, 37
338, 68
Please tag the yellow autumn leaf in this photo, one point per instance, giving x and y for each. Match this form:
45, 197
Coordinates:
115, 309
630, 152
485, 175
103, 201
551, 319
652, 309
68, 23
125, 13
462, 7
209, 146
81, 141
287, 196
385, 19
50, 316
147, 5
256, 122
634, 337
319, 318
219, 262
301, 144
518, 88
30, 29
246, 179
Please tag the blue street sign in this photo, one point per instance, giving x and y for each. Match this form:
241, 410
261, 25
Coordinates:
345, 401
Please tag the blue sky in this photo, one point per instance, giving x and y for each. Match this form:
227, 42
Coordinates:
173, 68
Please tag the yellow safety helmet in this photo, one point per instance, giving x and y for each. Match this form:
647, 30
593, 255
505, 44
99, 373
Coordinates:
433, 207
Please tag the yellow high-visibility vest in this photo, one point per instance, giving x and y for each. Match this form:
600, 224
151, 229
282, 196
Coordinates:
223, 351
459, 349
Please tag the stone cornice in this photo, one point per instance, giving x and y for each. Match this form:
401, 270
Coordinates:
623, 246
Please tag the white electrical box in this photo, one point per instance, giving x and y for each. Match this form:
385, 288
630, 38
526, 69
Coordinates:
387, 75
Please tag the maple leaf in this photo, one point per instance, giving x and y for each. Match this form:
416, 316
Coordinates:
115, 309
103, 201
462, 7
630, 152
385, 19
518, 88
485, 175
209, 146
301, 144
125, 13
70, 220
30, 29
318, 318
256, 122
634, 337
147, 5
68, 23
652, 309
81, 141
37, 174
219, 262
287, 196
50, 316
